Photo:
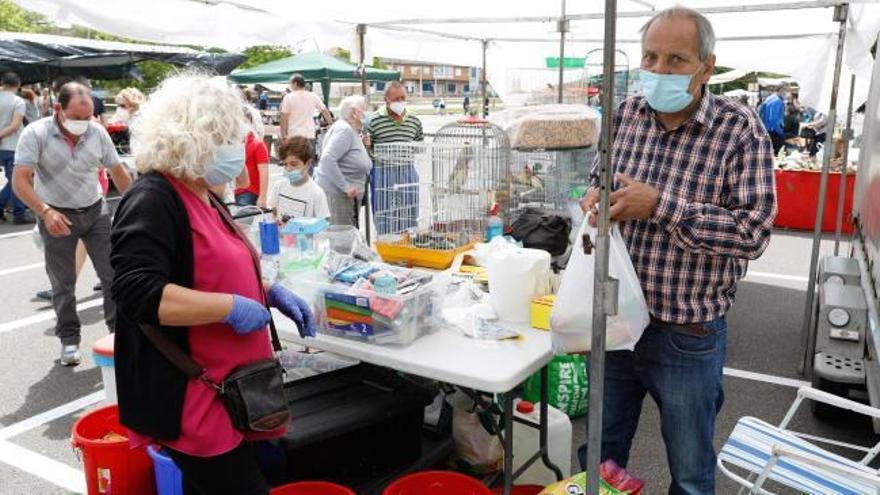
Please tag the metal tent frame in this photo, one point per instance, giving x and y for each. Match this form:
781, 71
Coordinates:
605, 291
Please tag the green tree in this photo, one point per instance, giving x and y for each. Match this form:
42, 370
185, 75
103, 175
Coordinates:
16, 19
260, 54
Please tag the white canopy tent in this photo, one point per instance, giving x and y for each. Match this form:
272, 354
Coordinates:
789, 37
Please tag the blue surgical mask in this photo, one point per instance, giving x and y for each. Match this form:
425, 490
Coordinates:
366, 121
667, 93
226, 165
294, 176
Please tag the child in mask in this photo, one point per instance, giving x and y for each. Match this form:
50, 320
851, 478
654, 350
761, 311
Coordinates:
295, 194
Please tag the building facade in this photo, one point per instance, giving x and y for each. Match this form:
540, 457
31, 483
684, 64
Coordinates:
427, 79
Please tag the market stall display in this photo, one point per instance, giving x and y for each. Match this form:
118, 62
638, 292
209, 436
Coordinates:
552, 127
433, 201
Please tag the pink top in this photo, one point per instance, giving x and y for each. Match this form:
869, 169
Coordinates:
301, 105
222, 263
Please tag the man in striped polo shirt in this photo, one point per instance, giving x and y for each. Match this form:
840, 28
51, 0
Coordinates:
395, 209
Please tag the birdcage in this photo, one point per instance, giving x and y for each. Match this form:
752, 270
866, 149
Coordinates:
549, 180
432, 201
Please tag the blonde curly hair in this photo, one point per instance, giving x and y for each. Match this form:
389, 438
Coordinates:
131, 97
183, 122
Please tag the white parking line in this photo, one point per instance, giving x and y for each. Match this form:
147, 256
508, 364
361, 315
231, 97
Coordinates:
15, 234
50, 415
44, 316
761, 377
43, 467
777, 276
23, 268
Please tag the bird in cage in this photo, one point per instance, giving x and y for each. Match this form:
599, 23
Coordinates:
461, 169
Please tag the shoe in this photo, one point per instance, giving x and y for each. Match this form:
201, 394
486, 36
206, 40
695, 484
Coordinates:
23, 220
97, 287
45, 294
3, 217
70, 355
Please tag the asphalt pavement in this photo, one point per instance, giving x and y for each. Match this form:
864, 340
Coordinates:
39, 400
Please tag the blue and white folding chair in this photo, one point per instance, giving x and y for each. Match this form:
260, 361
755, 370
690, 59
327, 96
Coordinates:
762, 451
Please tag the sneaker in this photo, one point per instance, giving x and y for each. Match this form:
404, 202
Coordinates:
2, 217
97, 287
70, 355
23, 220
46, 295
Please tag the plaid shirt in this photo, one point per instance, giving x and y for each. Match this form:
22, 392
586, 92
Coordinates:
716, 208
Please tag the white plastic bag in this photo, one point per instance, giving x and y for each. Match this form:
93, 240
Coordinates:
571, 321
477, 450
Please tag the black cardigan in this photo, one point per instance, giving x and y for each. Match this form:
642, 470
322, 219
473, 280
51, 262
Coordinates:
151, 247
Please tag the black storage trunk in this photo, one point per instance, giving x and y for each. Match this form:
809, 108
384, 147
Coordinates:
352, 425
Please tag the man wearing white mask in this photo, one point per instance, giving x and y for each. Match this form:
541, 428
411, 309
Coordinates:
393, 124
695, 201
56, 176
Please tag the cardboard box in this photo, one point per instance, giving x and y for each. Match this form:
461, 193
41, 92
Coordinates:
541, 308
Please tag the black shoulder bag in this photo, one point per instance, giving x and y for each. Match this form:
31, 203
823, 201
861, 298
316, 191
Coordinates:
252, 393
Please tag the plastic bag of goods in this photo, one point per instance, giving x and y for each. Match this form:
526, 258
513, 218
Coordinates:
614, 480
552, 127
571, 320
477, 447
568, 388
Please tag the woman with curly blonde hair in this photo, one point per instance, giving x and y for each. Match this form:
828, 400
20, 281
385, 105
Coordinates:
184, 270
128, 104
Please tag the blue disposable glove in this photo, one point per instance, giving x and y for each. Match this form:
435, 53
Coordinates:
293, 307
246, 315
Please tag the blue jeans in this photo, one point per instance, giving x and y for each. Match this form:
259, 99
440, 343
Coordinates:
682, 373
7, 161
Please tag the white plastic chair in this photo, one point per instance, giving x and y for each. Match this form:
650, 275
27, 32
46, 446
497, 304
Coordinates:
772, 452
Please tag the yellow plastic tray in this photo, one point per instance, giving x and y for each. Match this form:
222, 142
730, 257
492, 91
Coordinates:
437, 259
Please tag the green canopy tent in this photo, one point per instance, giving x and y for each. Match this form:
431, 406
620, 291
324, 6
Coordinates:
314, 67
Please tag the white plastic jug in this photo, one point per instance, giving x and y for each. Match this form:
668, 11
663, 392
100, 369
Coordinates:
516, 276
526, 441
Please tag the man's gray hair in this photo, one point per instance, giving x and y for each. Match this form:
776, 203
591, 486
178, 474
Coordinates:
704, 27
394, 84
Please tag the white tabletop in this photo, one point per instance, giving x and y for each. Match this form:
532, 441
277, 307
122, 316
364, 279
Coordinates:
445, 355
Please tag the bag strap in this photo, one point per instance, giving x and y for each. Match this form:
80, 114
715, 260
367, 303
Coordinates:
172, 352
230, 223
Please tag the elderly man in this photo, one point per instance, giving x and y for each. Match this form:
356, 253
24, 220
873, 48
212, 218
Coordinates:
396, 208
56, 175
12, 113
298, 111
772, 113
695, 200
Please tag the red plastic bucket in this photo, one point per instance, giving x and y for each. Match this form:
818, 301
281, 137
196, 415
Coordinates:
437, 483
311, 488
520, 490
110, 464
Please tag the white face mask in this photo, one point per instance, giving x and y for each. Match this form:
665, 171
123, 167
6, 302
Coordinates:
398, 107
75, 127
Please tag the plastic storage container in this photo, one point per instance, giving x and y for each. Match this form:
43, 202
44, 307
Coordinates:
169, 479
110, 464
526, 442
102, 354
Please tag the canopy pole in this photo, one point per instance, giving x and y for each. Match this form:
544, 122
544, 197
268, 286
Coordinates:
562, 27
605, 288
807, 335
361, 32
841, 193
483, 81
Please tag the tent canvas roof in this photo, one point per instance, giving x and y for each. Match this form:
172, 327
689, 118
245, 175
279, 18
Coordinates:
39, 57
753, 35
313, 67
